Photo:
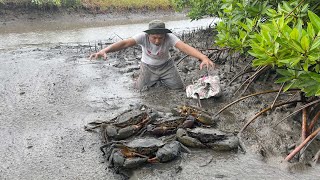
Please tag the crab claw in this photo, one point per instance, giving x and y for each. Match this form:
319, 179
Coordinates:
189, 122
153, 160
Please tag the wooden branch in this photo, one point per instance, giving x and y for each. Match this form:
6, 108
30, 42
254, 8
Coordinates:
313, 121
252, 77
245, 97
263, 111
275, 99
304, 125
302, 107
297, 149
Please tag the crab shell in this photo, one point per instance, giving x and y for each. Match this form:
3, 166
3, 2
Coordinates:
208, 137
145, 146
130, 117
199, 114
170, 125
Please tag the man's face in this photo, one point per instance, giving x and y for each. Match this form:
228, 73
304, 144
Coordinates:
156, 39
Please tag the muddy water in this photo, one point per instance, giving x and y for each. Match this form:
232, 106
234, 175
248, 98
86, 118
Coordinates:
49, 90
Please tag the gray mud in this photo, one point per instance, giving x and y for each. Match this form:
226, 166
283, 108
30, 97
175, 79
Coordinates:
49, 92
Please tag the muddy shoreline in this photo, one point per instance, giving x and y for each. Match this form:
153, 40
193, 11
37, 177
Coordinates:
49, 92
22, 20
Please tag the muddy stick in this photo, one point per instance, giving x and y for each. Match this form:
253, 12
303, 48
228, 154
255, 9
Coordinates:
297, 149
315, 159
304, 132
302, 107
263, 111
275, 99
313, 121
250, 95
179, 61
251, 77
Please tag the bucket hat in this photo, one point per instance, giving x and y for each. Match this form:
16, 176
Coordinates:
157, 27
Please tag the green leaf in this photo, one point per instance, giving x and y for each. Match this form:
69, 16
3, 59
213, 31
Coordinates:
290, 60
305, 42
315, 44
317, 68
296, 46
283, 79
295, 35
288, 86
306, 65
315, 20
285, 72
310, 30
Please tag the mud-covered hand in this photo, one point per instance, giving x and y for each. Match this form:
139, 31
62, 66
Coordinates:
205, 61
99, 54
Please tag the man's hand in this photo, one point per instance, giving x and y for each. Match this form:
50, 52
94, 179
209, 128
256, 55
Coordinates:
206, 62
99, 54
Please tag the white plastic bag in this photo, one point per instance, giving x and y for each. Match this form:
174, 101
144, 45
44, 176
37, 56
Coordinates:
205, 87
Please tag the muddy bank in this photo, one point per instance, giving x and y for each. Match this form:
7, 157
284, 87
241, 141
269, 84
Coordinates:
22, 19
49, 92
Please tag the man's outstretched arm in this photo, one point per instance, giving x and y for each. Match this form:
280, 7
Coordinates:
195, 53
114, 47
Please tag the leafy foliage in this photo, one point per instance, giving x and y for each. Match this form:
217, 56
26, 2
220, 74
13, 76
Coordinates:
281, 34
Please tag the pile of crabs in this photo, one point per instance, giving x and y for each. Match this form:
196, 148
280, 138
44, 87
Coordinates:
142, 135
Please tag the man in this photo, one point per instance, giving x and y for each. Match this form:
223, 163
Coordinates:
156, 63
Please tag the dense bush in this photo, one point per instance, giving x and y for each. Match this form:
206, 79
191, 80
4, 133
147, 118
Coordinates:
282, 34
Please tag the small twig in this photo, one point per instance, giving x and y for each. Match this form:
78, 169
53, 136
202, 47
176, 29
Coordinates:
258, 70
179, 61
118, 36
275, 99
315, 159
304, 149
244, 71
250, 95
207, 163
263, 111
313, 121
297, 149
303, 131
304, 124
302, 107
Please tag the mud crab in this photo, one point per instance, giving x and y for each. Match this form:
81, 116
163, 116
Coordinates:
126, 124
132, 154
200, 115
169, 125
207, 138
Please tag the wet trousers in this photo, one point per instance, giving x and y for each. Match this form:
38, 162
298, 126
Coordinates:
166, 73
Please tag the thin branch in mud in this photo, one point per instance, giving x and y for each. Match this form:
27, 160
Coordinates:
259, 69
304, 124
263, 111
304, 132
315, 159
297, 149
245, 97
118, 36
306, 146
247, 86
313, 121
244, 71
179, 61
302, 107
275, 99
207, 163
